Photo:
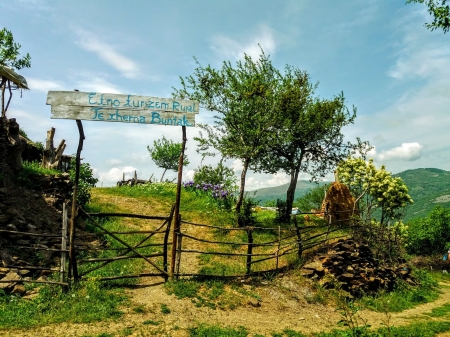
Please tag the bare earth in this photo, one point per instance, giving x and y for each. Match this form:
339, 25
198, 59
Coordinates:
282, 305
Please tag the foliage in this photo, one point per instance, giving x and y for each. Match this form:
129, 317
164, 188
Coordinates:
166, 154
375, 189
307, 136
241, 98
86, 303
219, 193
246, 217
282, 213
440, 12
25, 176
404, 296
429, 235
312, 200
219, 175
85, 183
9, 52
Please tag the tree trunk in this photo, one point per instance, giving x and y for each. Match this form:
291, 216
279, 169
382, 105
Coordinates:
290, 195
163, 175
242, 188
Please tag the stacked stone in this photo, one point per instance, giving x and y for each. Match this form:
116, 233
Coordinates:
353, 267
24, 212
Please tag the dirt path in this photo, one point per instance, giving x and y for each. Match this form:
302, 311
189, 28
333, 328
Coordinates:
283, 304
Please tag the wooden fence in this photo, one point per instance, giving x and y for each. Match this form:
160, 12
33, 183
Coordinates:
282, 243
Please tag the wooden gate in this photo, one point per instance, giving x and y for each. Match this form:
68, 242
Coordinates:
144, 249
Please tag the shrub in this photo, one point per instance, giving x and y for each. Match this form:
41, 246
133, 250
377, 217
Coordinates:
85, 183
219, 175
429, 235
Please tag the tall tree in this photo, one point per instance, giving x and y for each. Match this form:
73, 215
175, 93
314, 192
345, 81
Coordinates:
242, 98
308, 135
440, 11
165, 153
10, 60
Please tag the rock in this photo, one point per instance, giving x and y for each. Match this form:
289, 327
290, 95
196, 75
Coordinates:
19, 289
307, 272
316, 265
254, 302
11, 276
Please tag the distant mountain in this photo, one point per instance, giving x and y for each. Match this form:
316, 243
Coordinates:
428, 187
279, 192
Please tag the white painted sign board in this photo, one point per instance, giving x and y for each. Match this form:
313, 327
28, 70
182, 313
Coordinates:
105, 107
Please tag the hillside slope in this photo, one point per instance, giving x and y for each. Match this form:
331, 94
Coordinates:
279, 192
428, 187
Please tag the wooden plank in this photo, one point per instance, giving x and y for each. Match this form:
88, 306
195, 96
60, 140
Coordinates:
123, 116
120, 101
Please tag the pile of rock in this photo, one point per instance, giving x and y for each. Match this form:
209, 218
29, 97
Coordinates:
353, 267
56, 189
30, 229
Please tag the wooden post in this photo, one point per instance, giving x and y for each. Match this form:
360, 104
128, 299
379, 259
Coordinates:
177, 203
123, 176
63, 243
279, 244
166, 240
249, 249
72, 258
180, 238
299, 238
135, 176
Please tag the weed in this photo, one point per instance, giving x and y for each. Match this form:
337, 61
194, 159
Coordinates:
140, 309
404, 296
126, 332
150, 322
165, 309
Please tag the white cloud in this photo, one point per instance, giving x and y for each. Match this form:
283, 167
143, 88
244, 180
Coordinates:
43, 85
407, 152
107, 53
114, 175
93, 82
228, 48
237, 165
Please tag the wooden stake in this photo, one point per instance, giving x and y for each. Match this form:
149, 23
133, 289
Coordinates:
72, 258
177, 204
249, 249
63, 243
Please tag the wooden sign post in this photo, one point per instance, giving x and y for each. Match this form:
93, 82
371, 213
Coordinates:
93, 106
102, 107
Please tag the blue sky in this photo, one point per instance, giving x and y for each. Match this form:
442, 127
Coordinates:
394, 70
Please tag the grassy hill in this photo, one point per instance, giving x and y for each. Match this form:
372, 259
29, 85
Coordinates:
428, 187
279, 192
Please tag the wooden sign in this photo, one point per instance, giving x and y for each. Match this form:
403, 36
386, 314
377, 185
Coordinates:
122, 108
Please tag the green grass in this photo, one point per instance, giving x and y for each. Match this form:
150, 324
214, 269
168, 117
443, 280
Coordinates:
404, 296
89, 302
120, 267
214, 294
441, 311
29, 168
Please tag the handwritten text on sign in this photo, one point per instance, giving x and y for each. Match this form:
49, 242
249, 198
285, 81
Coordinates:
122, 108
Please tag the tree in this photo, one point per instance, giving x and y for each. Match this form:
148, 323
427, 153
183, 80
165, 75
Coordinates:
307, 136
313, 199
242, 98
376, 190
440, 12
165, 153
9, 61
429, 235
